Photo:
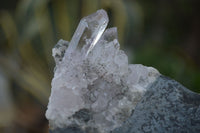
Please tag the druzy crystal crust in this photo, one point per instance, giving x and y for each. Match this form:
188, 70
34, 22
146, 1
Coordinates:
94, 86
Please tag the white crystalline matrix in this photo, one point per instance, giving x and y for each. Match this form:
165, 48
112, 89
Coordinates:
93, 84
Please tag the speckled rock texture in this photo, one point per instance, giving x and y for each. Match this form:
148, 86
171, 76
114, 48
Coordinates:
167, 107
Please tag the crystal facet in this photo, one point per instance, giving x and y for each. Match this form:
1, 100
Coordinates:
89, 31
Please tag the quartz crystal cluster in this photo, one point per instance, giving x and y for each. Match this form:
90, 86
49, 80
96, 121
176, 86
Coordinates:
94, 87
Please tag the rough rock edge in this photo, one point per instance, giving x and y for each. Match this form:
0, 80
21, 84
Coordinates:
166, 107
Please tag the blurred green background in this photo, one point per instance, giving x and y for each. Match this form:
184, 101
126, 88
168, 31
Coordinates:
159, 33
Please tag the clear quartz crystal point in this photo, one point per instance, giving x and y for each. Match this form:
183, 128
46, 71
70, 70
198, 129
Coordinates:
88, 32
110, 34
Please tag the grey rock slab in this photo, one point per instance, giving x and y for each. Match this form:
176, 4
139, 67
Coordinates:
167, 107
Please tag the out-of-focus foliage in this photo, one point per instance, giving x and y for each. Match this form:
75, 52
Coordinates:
162, 34
169, 40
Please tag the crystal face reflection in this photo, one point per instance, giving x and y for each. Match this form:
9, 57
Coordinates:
88, 32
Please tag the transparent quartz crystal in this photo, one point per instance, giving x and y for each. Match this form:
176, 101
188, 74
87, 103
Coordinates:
88, 32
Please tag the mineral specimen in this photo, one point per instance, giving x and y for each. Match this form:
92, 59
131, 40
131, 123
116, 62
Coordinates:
93, 85
95, 90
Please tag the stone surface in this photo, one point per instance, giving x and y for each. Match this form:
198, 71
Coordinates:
167, 107
95, 90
